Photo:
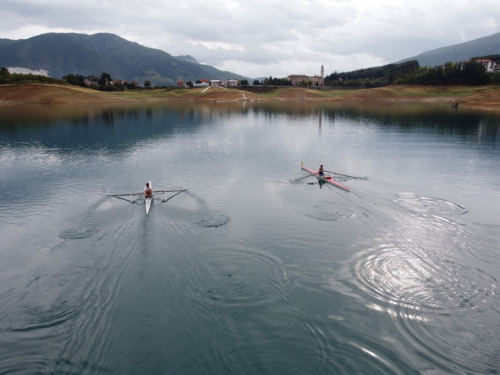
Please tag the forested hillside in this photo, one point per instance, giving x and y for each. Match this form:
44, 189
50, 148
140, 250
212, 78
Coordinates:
451, 73
459, 52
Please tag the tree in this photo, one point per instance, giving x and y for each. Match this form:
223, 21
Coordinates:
244, 82
147, 83
75, 79
104, 79
256, 82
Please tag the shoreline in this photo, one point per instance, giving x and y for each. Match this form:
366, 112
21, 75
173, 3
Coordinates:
474, 97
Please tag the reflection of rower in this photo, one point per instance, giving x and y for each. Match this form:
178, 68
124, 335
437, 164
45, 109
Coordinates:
148, 191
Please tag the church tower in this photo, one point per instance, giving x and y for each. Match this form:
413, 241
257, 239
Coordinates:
322, 72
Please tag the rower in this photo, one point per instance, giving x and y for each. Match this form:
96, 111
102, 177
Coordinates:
148, 191
321, 172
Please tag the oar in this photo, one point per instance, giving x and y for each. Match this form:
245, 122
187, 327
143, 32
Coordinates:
303, 177
123, 195
123, 199
345, 175
166, 200
169, 191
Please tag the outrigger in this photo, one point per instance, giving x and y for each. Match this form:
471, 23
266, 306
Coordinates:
149, 200
326, 179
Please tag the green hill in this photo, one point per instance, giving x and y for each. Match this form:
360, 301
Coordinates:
71, 53
487, 45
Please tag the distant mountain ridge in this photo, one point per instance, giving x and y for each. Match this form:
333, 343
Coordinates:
72, 53
484, 46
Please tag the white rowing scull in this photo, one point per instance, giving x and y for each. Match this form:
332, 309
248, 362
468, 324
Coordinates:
149, 200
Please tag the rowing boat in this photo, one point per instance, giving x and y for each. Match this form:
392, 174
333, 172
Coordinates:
148, 200
326, 179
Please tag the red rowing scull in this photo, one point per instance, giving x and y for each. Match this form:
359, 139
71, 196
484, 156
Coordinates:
326, 179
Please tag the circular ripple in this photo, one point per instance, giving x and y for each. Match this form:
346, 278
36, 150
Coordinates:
396, 277
428, 205
407, 195
234, 277
454, 339
76, 233
329, 211
209, 220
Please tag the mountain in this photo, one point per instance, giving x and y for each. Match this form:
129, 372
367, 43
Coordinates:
65, 53
187, 58
487, 45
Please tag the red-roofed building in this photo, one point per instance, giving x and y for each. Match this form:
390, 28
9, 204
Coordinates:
488, 64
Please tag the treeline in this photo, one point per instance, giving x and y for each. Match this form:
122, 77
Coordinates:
383, 74
103, 83
410, 73
273, 82
7, 77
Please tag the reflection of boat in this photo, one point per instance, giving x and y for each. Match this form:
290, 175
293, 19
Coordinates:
454, 104
326, 179
148, 200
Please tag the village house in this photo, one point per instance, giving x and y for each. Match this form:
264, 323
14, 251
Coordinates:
200, 84
315, 80
224, 82
181, 83
298, 78
488, 64
89, 82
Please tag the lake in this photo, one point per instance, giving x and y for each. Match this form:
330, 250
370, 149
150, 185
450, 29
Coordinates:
252, 270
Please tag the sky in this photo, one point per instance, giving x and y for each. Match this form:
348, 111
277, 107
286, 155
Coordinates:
261, 38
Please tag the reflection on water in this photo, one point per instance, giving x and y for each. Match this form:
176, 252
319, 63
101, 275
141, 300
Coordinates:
246, 272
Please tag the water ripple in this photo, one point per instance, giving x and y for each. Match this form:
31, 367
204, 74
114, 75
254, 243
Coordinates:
414, 203
208, 220
329, 211
423, 274
232, 276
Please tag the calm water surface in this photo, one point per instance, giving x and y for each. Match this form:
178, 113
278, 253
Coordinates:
248, 272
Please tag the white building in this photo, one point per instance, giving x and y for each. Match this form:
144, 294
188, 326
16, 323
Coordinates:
488, 64
224, 82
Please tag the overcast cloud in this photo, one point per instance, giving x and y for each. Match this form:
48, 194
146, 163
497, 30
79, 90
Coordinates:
266, 37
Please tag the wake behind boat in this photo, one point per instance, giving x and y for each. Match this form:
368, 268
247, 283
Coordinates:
326, 179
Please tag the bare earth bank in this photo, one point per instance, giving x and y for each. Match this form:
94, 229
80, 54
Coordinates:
478, 97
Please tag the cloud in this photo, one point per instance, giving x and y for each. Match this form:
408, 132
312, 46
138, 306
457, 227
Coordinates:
40, 72
262, 38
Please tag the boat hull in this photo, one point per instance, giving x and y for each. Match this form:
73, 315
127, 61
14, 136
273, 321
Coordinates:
325, 179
